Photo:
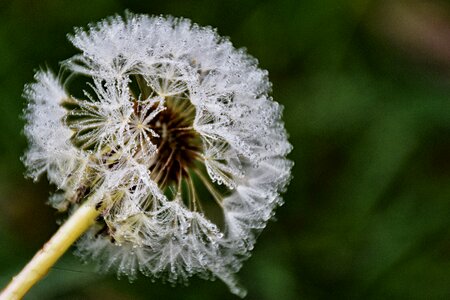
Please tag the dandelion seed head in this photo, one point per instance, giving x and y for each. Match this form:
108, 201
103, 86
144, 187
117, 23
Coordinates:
175, 136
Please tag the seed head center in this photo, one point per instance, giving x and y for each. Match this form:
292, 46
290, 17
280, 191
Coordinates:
178, 144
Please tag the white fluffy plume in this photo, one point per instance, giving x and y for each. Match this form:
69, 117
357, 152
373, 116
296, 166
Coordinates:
174, 134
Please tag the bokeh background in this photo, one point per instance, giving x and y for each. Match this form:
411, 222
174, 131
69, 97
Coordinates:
366, 90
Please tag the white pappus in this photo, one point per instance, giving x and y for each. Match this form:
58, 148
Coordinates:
174, 134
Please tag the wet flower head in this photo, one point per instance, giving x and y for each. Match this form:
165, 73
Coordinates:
171, 131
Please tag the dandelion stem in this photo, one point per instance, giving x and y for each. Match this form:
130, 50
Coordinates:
45, 258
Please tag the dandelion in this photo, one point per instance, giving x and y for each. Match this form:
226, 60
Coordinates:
170, 161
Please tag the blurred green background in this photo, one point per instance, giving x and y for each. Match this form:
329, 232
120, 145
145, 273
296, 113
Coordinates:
366, 90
